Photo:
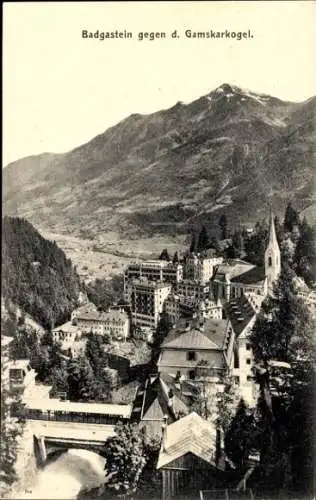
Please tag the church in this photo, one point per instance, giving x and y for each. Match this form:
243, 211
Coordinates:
236, 277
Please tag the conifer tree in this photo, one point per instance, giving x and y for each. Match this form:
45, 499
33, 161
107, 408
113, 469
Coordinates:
164, 255
223, 226
125, 459
291, 218
305, 254
203, 240
193, 245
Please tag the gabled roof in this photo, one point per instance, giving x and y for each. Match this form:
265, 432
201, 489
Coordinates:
240, 312
66, 327
190, 434
113, 315
251, 276
156, 398
189, 335
233, 268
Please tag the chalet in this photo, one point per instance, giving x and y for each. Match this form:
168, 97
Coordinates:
189, 457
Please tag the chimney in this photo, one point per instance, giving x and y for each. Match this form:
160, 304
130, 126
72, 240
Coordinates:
164, 433
170, 399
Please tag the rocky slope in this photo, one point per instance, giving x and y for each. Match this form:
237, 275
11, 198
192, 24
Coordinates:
231, 150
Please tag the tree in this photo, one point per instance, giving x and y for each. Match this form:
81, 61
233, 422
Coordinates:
176, 259
283, 316
125, 460
11, 430
95, 353
203, 241
255, 246
291, 218
284, 331
205, 394
103, 292
305, 254
231, 252
193, 245
243, 435
278, 229
238, 243
164, 255
81, 381
214, 243
227, 401
287, 249
58, 379
36, 274
223, 226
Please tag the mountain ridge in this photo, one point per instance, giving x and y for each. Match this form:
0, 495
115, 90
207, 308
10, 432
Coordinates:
230, 150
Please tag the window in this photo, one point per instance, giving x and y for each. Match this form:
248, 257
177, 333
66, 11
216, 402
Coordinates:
248, 347
249, 378
192, 374
269, 262
248, 361
191, 356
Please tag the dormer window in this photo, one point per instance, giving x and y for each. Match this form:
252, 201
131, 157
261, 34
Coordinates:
191, 356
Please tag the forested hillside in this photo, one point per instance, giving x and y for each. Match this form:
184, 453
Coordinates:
36, 274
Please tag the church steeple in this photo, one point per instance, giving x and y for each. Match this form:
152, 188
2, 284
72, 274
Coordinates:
272, 256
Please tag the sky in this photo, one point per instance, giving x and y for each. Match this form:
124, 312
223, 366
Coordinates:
60, 90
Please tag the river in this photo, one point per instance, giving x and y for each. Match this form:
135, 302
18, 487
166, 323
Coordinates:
63, 478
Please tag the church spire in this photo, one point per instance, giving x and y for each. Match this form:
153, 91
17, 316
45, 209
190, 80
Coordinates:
272, 256
272, 233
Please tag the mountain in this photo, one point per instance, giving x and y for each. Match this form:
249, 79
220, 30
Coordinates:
229, 151
36, 275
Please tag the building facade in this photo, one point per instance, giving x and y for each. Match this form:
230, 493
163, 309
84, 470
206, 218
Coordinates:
234, 278
114, 322
194, 290
200, 268
196, 342
154, 270
147, 300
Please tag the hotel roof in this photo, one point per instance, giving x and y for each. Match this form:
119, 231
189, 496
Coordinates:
190, 335
114, 315
233, 267
66, 327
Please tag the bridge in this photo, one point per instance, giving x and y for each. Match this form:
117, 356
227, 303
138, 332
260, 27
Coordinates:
61, 425
52, 437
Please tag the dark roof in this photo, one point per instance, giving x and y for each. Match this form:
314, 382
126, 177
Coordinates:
240, 312
189, 334
232, 268
156, 397
253, 275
